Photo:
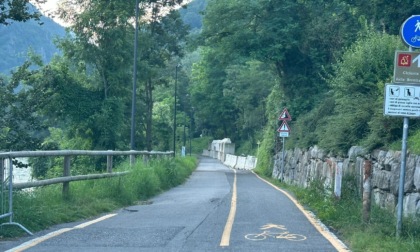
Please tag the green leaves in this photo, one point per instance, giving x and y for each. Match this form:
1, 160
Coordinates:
17, 10
357, 114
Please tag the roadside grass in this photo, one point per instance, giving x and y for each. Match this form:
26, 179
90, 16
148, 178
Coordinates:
344, 218
44, 207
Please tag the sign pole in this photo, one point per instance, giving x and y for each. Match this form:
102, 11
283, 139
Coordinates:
402, 177
402, 172
410, 34
282, 163
284, 131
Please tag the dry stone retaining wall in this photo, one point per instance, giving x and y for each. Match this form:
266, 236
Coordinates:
303, 166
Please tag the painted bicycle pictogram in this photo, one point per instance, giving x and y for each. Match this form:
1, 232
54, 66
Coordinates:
275, 231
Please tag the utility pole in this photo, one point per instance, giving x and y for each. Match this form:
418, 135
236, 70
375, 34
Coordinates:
133, 100
176, 80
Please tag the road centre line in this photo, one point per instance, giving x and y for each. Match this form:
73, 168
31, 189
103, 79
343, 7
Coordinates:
231, 218
36, 241
339, 245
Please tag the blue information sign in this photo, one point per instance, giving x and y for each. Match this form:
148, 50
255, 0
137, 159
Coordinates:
410, 31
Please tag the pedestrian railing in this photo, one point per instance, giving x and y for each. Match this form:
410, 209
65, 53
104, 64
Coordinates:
7, 184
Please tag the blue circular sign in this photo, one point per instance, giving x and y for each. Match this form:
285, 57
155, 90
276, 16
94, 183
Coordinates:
410, 31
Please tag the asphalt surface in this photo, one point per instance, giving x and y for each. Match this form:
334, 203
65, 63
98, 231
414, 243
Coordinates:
217, 209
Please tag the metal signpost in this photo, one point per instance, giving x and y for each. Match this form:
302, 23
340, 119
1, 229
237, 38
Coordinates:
284, 131
402, 100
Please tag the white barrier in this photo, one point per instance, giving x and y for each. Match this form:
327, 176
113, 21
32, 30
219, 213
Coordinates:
250, 163
240, 164
230, 160
223, 150
206, 153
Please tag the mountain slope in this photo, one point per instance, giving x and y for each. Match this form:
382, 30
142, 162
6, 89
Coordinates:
18, 38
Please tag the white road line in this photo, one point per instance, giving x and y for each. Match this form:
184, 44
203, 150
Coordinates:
36, 241
231, 218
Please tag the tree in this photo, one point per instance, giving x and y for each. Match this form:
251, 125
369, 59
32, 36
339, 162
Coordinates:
247, 86
21, 128
17, 10
215, 114
162, 42
104, 41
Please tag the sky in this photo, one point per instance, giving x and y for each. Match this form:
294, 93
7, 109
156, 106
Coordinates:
49, 7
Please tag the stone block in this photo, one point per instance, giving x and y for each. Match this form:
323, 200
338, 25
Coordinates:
411, 205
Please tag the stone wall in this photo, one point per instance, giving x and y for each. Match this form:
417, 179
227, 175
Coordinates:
303, 166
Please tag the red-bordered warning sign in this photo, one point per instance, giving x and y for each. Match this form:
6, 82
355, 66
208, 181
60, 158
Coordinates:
284, 127
285, 116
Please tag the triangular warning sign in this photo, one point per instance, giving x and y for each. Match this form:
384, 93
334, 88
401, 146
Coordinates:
284, 127
285, 116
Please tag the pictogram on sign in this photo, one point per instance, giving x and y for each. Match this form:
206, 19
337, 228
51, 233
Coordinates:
284, 127
404, 60
285, 116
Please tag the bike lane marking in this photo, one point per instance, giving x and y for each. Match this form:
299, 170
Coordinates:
231, 218
322, 229
36, 241
280, 232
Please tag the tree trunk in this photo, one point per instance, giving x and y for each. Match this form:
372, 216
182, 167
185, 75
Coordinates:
149, 113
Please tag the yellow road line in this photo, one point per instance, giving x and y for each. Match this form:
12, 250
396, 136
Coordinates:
36, 241
340, 246
231, 218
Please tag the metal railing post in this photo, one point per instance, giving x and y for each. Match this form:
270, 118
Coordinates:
10, 213
2, 176
11, 189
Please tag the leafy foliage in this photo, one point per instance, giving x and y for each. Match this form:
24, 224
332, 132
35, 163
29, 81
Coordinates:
385, 16
357, 86
16, 10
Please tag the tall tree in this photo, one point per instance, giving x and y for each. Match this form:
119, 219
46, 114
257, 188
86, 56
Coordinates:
247, 86
104, 34
285, 34
214, 111
162, 40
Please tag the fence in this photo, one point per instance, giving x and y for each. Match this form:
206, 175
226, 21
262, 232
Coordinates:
66, 179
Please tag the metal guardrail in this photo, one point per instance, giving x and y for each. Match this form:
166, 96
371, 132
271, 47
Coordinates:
66, 179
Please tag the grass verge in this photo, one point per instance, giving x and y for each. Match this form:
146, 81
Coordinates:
43, 207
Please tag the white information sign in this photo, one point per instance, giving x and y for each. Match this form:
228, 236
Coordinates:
284, 134
402, 100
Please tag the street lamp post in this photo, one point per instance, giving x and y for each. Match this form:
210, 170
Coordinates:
191, 124
133, 101
184, 137
176, 80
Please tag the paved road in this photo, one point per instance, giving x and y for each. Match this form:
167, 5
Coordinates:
217, 209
